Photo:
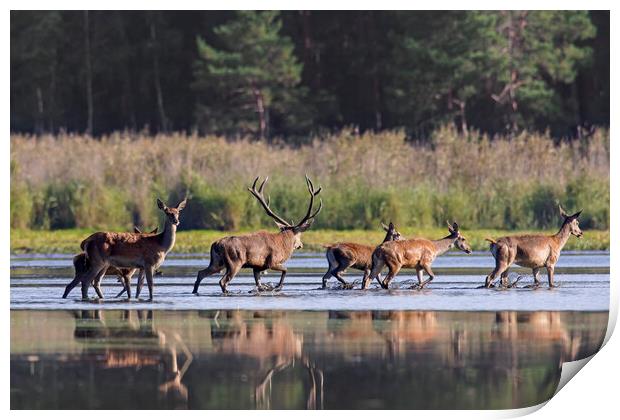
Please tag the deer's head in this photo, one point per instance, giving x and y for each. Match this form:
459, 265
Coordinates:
391, 234
282, 224
572, 222
459, 240
172, 213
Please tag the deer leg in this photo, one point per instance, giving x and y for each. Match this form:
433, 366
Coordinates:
127, 283
337, 272
331, 264
420, 273
535, 272
500, 267
149, 280
326, 277
392, 272
121, 280
431, 275
125, 287
87, 278
70, 286
259, 285
281, 282
550, 271
140, 282
504, 278
231, 272
204, 273
375, 272
97, 283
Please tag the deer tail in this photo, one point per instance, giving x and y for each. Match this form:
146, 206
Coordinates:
490, 240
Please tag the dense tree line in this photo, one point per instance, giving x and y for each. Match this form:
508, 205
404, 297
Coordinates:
296, 73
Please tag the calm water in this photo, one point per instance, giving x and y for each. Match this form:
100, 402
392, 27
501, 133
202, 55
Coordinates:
450, 346
294, 359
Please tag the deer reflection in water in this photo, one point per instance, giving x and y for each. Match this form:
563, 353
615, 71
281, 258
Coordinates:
271, 340
396, 330
119, 351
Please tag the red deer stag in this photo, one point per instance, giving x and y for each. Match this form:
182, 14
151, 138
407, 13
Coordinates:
128, 250
532, 251
81, 266
343, 255
260, 250
413, 253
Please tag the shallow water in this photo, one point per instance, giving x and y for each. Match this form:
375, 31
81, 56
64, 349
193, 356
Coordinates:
450, 346
37, 282
294, 359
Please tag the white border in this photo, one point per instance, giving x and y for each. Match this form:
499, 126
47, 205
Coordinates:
592, 395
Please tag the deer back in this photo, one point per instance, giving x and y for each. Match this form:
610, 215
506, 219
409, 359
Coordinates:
408, 252
357, 255
258, 249
530, 250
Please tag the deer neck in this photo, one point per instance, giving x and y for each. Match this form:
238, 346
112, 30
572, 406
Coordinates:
563, 235
288, 240
168, 236
386, 239
443, 245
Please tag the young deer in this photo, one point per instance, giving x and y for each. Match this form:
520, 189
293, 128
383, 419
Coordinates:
260, 250
127, 250
81, 266
413, 253
532, 251
343, 255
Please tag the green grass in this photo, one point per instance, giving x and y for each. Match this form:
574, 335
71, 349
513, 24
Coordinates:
68, 240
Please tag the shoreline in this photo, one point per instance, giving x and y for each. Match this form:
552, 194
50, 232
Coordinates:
66, 241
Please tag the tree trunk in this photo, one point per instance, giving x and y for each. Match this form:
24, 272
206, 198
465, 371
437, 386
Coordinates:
89, 75
163, 119
262, 115
38, 127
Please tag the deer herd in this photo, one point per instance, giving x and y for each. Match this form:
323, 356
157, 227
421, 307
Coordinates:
121, 254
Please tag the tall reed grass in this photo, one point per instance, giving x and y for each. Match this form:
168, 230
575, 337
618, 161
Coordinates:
68, 181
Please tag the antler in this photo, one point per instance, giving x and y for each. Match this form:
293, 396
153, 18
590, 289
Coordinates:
313, 193
265, 203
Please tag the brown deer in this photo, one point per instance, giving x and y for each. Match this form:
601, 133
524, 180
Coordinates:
81, 265
413, 253
260, 250
343, 255
532, 251
128, 250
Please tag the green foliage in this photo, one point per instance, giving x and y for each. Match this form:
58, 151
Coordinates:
252, 75
316, 71
504, 184
209, 208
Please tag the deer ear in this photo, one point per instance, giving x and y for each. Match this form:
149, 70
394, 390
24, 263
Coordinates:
385, 228
562, 212
576, 215
450, 228
136, 230
182, 204
455, 226
391, 226
280, 225
304, 226
161, 204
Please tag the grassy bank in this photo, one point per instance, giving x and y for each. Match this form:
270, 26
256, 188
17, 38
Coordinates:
199, 241
500, 183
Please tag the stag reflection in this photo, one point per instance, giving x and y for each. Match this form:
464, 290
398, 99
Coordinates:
270, 339
135, 342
